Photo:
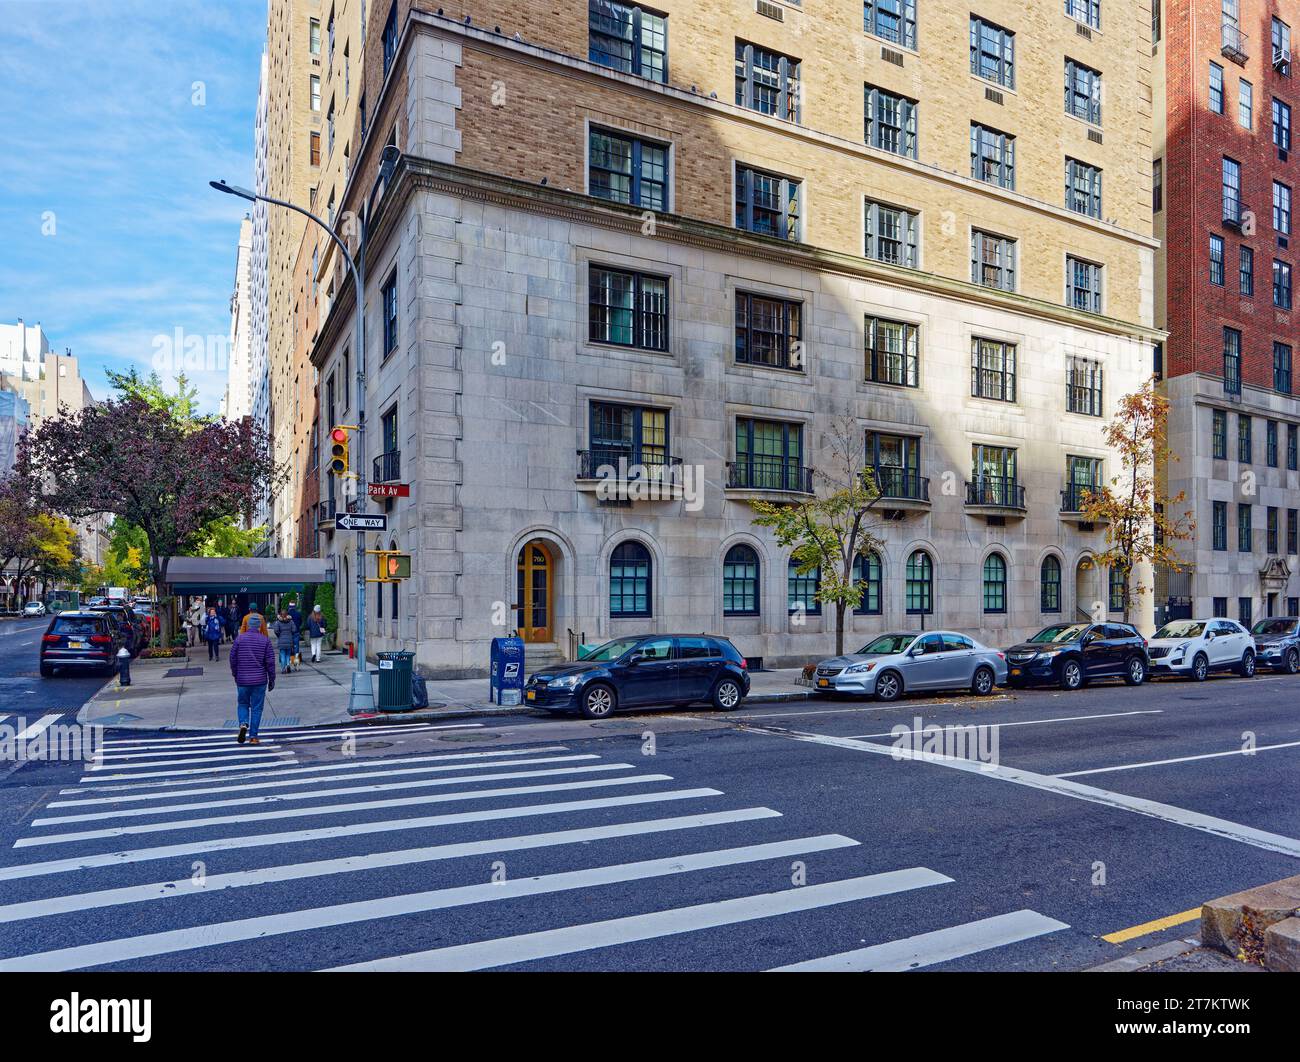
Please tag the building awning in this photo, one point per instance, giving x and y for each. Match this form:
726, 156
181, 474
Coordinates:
244, 575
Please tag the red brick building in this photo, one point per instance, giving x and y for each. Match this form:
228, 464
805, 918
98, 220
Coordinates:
1226, 96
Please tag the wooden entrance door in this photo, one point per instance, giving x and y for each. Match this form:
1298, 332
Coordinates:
533, 579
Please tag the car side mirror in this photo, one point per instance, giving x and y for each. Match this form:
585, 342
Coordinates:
916, 650
1209, 636
636, 658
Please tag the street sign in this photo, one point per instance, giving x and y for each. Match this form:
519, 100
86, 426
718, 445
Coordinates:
389, 490
361, 521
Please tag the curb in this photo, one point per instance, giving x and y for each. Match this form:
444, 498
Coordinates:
1145, 957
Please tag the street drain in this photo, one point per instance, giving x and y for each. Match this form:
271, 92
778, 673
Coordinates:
469, 737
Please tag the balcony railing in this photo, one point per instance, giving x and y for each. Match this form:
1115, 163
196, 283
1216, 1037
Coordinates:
1234, 212
898, 483
388, 467
1075, 496
624, 464
325, 512
1000, 492
762, 473
1234, 42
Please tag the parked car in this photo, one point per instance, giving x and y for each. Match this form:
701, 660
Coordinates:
133, 628
80, 640
1193, 648
148, 620
639, 671
1277, 643
33, 608
1070, 654
892, 664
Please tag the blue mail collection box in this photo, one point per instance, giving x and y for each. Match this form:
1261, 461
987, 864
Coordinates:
506, 681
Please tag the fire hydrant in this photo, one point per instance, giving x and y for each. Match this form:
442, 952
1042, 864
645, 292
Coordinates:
124, 666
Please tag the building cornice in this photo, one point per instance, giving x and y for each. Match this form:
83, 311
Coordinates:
414, 174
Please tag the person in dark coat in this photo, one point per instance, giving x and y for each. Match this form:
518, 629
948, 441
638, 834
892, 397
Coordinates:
286, 634
252, 662
212, 633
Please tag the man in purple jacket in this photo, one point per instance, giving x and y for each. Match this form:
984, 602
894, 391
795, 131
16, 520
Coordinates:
252, 662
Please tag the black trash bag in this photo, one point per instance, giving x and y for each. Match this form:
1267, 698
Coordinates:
419, 692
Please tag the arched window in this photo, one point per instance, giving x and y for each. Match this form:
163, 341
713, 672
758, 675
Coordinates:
740, 582
995, 583
629, 580
1050, 584
866, 570
1118, 589
920, 584
801, 590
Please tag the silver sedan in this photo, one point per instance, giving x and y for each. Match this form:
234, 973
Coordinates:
913, 660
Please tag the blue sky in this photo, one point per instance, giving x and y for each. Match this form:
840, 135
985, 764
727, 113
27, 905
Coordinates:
106, 139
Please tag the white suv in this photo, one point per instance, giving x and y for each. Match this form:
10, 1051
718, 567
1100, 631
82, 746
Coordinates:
1193, 648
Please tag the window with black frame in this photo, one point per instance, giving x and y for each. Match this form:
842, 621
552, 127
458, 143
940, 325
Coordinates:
919, 584
891, 234
867, 575
629, 580
769, 332
992, 156
1083, 387
626, 435
1049, 597
802, 588
992, 52
627, 38
1281, 368
890, 121
891, 352
767, 204
627, 309
769, 456
628, 169
1232, 361
891, 20
1083, 188
740, 582
995, 583
993, 260
767, 81
993, 370
1082, 92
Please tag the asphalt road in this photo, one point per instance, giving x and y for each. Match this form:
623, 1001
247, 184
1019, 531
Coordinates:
669, 840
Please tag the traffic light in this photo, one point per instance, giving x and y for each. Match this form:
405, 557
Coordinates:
392, 566
339, 461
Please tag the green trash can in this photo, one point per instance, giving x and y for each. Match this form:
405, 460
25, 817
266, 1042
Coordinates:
395, 681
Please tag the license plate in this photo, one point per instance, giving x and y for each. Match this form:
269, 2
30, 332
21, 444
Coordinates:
1015, 671
823, 682
76, 645
531, 695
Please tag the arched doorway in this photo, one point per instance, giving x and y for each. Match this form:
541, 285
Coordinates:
534, 591
1088, 605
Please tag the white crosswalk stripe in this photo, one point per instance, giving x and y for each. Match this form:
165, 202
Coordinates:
578, 812
299, 733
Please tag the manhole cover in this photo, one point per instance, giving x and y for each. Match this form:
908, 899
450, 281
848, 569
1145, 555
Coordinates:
469, 737
362, 745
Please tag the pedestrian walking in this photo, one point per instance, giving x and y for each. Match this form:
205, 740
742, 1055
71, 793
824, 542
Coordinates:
252, 611
196, 622
252, 662
316, 632
212, 633
285, 631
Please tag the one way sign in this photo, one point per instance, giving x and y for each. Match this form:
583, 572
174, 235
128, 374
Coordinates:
361, 521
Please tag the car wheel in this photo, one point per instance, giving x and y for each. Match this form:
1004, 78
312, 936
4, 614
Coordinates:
1246, 669
1292, 661
1200, 668
598, 702
727, 695
47, 671
1071, 675
889, 686
982, 684
1135, 671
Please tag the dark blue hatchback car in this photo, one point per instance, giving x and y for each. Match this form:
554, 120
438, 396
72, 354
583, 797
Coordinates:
637, 672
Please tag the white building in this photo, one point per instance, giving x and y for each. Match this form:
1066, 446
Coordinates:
258, 345
237, 402
22, 350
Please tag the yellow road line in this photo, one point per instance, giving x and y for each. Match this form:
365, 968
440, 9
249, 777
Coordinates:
1152, 927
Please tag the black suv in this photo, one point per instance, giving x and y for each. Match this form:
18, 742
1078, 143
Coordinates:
644, 670
1070, 654
132, 626
80, 640
1277, 643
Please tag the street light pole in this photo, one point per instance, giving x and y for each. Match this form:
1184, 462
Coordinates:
361, 698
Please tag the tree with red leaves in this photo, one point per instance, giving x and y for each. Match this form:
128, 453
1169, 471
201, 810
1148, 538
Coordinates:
140, 463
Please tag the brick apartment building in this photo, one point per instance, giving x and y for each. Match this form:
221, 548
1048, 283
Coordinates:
698, 235
1224, 175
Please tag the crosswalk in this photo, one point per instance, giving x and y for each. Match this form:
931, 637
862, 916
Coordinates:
193, 852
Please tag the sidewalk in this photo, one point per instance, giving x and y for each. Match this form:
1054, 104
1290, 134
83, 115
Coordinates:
193, 694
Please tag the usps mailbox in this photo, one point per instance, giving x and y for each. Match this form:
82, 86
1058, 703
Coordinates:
506, 682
